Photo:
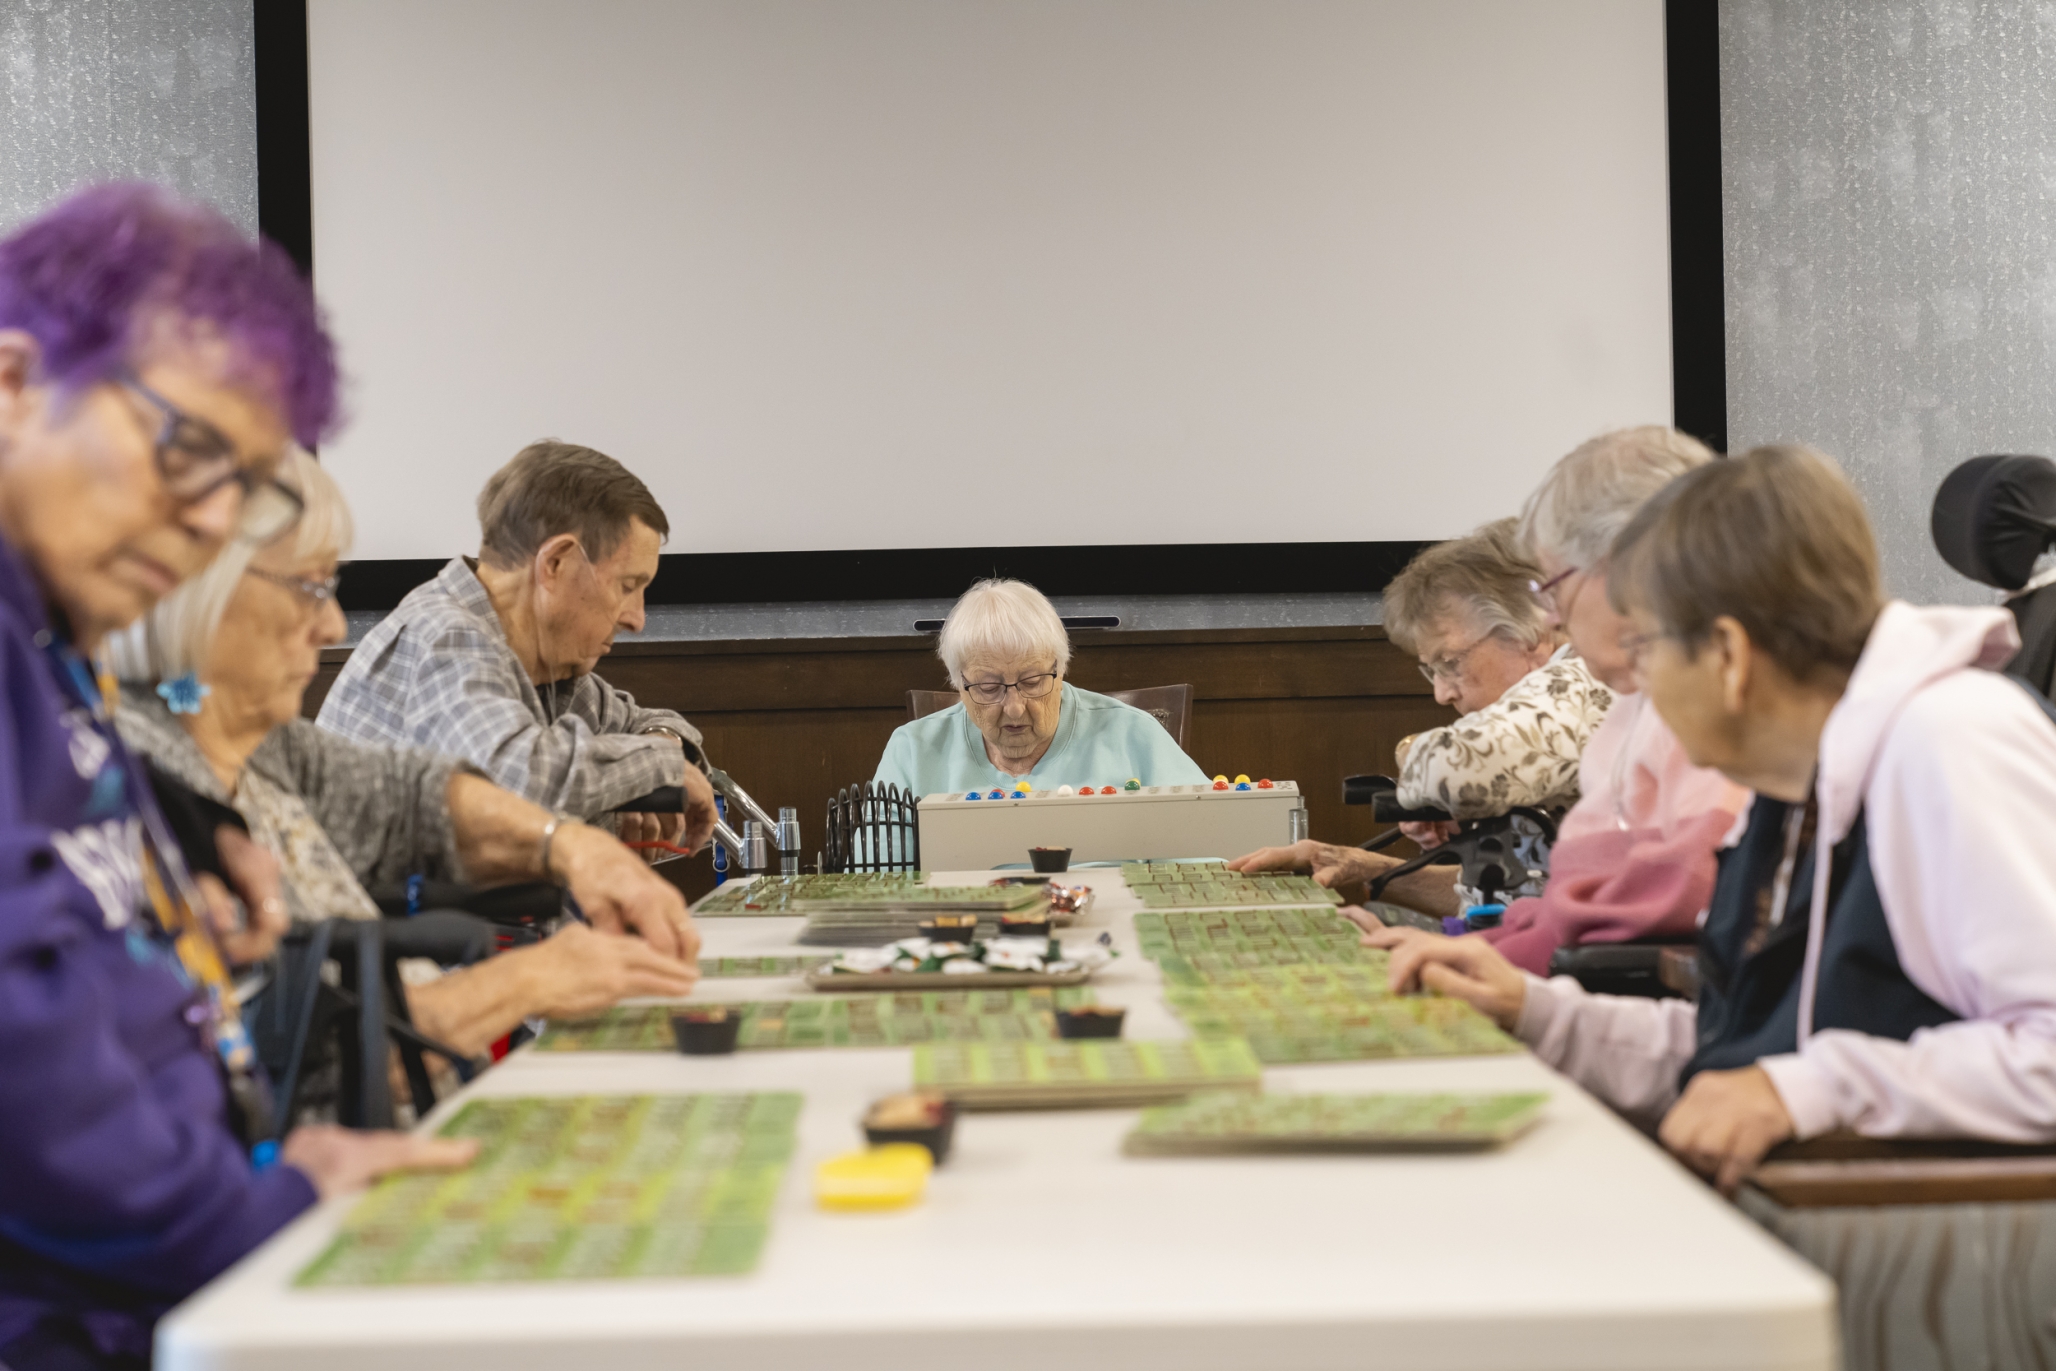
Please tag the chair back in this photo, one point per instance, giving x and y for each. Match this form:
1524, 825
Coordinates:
922, 703
1169, 705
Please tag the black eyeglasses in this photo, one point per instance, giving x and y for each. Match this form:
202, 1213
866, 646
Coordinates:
195, 461
320, 592
1031, 687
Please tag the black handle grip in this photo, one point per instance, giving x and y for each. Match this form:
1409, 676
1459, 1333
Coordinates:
1363, 790
666, 799
1386, 809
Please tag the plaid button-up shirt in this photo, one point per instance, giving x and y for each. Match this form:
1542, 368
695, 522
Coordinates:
437, 673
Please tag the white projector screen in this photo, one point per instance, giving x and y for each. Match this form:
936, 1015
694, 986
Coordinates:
866, 274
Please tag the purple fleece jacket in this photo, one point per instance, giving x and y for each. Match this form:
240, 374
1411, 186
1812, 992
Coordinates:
122, 1186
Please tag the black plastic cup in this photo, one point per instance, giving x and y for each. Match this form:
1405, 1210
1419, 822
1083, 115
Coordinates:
1050, 859
950, 928
706, 1032
936, 1137
1090, 1021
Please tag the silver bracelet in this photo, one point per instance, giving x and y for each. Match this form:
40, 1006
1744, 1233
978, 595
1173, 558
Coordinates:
556, 822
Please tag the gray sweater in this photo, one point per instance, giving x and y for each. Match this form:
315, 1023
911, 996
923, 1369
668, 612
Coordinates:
384, 809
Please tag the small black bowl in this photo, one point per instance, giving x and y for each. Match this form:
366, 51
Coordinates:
706, 1032
1050, 859
936, 1136
1026, 926
950, 928
1090, 1021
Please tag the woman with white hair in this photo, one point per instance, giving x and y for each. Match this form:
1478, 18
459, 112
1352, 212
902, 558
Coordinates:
212, 685
1017, 721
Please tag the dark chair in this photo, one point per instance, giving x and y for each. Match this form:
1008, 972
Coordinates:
1992, 518
1169, 705
302, 1019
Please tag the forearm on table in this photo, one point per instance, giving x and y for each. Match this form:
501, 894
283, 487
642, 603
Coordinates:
1625, 1049
499, 835
1431, 890
471, 1008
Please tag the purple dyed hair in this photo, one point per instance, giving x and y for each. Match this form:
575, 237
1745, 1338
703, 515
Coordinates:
87, 277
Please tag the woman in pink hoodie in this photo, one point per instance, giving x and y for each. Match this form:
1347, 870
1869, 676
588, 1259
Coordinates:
1635, 856
1879, 954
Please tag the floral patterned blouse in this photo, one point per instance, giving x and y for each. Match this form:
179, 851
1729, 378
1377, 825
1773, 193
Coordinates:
1521, 750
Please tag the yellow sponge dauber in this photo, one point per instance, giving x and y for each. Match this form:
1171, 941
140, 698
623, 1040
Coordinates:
889, 1176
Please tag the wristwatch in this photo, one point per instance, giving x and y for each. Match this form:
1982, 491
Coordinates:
685, 744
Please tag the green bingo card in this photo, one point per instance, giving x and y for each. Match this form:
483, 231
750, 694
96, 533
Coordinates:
597, 1187
715, 968
1284, 1026
872, 1020
1230, 1123
1203, 887
1083, 1072
768, 895
1198, 945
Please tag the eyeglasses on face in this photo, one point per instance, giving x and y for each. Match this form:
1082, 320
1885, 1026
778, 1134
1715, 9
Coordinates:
1450, 667
195, 460
1031, 687
320, 592
1635, 646
1545, 591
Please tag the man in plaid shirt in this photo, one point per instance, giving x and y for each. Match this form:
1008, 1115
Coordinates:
493, 661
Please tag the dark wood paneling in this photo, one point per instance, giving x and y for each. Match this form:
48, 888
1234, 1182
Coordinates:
794, 720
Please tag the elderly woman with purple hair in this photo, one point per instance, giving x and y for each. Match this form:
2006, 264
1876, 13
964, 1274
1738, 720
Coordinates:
155, 367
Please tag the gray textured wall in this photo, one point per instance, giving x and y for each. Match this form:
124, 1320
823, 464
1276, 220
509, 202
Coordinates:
97, 89
1888, 172
1888, 176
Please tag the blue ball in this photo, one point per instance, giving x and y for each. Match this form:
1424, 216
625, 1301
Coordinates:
973, 795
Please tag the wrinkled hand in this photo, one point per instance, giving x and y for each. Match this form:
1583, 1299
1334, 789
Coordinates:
1724, 1123
650, 828
578, 971
1430, 833
697, 823
1347, 869
618, 892
339, 1160
1467, 969
251, 934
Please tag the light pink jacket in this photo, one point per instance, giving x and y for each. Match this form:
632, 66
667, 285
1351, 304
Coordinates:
1634, 857
1954, 770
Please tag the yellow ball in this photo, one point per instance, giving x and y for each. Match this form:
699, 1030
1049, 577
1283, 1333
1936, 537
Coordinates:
1242, 780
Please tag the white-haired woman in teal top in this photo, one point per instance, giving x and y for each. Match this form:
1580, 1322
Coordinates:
1017, 721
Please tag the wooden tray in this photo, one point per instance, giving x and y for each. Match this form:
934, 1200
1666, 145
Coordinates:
941, 980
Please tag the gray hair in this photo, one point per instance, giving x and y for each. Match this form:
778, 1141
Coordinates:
1485, 575
1000, 618
174, 637
1588, 497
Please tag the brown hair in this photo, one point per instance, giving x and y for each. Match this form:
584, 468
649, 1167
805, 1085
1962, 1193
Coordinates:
1775, 539
553, 487
1485, 573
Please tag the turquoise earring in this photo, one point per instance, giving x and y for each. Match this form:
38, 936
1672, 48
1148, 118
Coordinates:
183, 695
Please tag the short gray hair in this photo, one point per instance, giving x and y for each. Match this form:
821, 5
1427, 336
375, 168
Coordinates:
1486, 575
1588, 497
173, 638
1001, 618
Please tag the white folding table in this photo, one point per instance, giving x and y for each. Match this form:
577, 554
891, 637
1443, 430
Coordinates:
1040, 1246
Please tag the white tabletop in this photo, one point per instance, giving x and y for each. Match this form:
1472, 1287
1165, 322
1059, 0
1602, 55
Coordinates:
1039, 1245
